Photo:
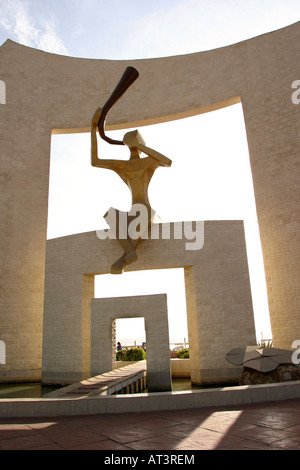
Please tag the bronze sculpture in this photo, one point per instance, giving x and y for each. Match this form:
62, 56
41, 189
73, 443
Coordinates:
135, 172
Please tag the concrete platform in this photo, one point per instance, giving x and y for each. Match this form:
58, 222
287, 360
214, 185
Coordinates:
128, 379
149, 402
263, 426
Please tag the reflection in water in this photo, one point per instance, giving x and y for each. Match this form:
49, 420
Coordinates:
24, 390
37, 390
184, 384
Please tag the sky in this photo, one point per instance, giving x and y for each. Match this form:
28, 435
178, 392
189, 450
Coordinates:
218, 188
127, 29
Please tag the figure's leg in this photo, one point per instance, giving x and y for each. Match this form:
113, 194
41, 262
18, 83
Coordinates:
119, 223
119, 266
127, 258
124, 239
131, 256
129, 250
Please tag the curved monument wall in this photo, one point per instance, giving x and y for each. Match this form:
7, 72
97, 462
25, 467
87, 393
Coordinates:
47, 92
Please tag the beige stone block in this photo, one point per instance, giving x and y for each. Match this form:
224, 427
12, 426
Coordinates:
219, 304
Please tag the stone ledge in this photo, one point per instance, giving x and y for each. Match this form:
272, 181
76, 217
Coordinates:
180, 367
143, 402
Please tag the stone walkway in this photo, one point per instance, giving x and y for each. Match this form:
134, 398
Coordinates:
270, 426
131, 376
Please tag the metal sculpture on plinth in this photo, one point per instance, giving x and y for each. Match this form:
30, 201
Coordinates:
135, 172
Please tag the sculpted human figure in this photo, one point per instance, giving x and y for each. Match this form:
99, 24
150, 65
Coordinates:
136, 174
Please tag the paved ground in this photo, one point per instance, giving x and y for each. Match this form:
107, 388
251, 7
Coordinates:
271, 426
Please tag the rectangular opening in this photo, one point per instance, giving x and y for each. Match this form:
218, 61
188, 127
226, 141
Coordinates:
130, 349
159, 281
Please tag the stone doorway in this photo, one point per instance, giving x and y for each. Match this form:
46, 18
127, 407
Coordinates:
154, 310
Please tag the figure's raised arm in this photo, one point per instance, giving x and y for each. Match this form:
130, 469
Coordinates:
98, 162
133, 140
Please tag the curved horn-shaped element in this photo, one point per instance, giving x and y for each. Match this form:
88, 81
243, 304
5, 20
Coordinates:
127, 79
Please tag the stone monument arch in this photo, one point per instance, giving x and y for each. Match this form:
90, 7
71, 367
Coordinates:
48, 93
77, 330
154, 310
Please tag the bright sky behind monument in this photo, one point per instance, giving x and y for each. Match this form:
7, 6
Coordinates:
214, 165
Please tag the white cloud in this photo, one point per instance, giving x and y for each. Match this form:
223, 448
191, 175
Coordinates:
50, 41
197, 25
24, 31
30, 29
